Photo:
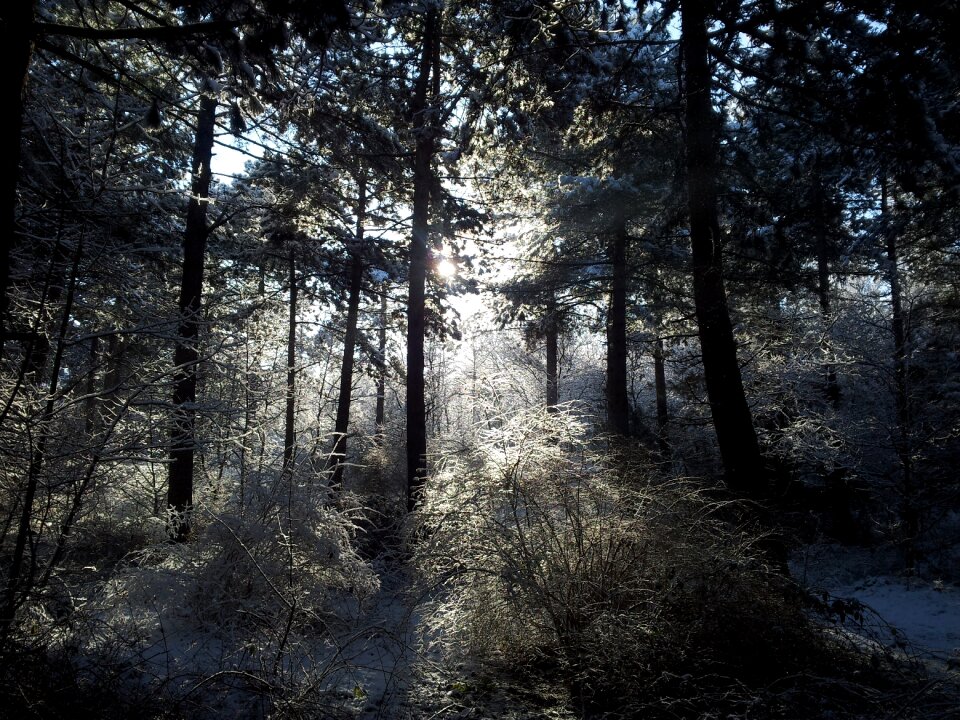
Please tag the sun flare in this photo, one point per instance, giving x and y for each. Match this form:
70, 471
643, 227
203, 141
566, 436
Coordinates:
446, 269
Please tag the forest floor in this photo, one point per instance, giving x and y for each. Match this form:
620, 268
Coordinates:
395, 669
915, 615
390, 661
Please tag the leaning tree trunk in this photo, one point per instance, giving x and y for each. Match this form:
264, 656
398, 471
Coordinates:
736, 437
424, 132
618, 406
339, 452
186, 355
16, 38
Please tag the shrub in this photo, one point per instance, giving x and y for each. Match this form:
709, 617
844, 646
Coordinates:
548, 556
243, 618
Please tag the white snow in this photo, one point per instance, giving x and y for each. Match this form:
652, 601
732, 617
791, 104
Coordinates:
928, 613
925, 612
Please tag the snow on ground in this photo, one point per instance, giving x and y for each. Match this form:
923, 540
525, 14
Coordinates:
377, 653
390, 670
926, 612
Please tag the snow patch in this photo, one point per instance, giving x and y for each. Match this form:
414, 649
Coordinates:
925, 612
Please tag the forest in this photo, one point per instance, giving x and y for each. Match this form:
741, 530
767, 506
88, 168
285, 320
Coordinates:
480, 359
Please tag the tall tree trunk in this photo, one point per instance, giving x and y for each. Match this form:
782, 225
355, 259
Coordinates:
113, 377
90, 402
823, 294
249, 410
380, 416
739, 449
424, 128
38, 346
618, 404
826, 314
339, 452
289, 425
904, 445
552, 342
660, 384
16, 41
186, 354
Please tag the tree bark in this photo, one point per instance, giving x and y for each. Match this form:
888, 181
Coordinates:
552, 342
904, 445
380, 415
90, 403
339, 452
618, 404
113, 377
249, 411
660, 384
289, 425
736, 437
826, 314
823, 295
186, 354
424, 128
16, 39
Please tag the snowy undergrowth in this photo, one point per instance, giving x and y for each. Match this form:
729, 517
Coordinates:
635, 593
245, 620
